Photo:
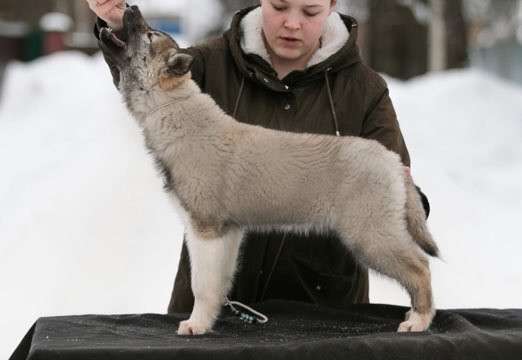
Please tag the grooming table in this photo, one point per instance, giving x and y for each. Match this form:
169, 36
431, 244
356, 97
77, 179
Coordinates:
294, 331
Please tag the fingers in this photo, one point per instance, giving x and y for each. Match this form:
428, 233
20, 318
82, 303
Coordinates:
110, 7
106, 8
109, 10
97, 3
93, 4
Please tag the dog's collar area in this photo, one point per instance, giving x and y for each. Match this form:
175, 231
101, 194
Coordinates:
248, 314
160, 107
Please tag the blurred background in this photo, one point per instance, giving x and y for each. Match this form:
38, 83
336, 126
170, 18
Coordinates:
86, 228
402, 38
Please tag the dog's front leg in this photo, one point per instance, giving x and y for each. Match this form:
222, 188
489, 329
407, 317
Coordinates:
212, 263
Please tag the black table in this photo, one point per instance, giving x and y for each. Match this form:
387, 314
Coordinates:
294, 331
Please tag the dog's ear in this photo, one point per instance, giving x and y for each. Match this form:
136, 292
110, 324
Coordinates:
178, 64
176, 70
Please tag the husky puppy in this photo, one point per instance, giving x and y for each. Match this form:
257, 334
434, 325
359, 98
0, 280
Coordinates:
226, 177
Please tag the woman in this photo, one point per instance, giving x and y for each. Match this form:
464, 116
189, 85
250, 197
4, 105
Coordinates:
280, 62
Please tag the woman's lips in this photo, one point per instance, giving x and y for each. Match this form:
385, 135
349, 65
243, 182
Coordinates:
289, 41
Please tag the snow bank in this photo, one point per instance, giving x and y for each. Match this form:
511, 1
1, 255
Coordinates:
84, 224
86, 228
464, 132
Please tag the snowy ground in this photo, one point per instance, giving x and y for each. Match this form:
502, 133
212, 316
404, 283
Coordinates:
86, 228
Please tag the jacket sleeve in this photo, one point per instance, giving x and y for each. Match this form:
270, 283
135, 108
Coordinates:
381, 124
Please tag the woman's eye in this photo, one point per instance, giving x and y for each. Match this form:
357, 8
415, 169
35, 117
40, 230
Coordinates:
278, 8
310, 14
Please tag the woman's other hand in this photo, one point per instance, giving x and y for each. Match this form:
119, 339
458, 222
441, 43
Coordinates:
109, 10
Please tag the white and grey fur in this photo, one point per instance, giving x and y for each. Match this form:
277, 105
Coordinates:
226, 177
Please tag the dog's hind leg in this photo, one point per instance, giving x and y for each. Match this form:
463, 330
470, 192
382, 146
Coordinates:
417, 281
394, 254
213, 263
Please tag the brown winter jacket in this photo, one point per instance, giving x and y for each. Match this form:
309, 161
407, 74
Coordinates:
313, 268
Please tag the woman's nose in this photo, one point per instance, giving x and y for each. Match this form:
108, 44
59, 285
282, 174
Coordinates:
292, 22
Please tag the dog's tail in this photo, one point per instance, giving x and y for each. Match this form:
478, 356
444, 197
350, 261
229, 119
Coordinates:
416, 220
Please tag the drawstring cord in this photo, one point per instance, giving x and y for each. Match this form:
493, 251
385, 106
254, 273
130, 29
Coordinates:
337, 133
332, 108
244, 315
241, 87
254, 315
273, 266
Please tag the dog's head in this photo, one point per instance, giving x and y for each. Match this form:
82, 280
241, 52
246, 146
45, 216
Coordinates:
144, 57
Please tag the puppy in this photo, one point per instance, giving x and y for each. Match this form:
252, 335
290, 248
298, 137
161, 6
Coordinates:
226, 177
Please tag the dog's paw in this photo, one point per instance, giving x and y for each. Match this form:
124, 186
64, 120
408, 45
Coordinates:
411, 326
191, 327
415, 322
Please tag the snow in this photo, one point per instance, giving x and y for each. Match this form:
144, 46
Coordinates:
198, 17
464, 130
56, 21
85, 226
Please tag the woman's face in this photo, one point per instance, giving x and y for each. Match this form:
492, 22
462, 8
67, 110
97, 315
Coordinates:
292, 28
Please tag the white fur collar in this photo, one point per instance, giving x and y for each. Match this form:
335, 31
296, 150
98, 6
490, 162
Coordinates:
335, 35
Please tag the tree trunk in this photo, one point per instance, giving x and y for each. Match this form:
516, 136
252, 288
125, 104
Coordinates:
456, 35
437, 36
397, 41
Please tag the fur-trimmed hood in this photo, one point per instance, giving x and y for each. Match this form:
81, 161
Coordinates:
335, 35
338, 50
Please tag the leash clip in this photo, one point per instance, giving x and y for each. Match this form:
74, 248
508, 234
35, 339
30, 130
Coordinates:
248, 314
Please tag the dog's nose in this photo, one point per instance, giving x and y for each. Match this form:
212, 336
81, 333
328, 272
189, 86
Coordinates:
135, 15
133, 18
132, 11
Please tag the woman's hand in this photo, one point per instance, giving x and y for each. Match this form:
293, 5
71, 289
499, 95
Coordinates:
109, 10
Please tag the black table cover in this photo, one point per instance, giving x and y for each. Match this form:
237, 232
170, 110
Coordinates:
294, 331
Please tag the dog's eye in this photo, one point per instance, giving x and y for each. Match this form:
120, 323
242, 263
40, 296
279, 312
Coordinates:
150, 35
